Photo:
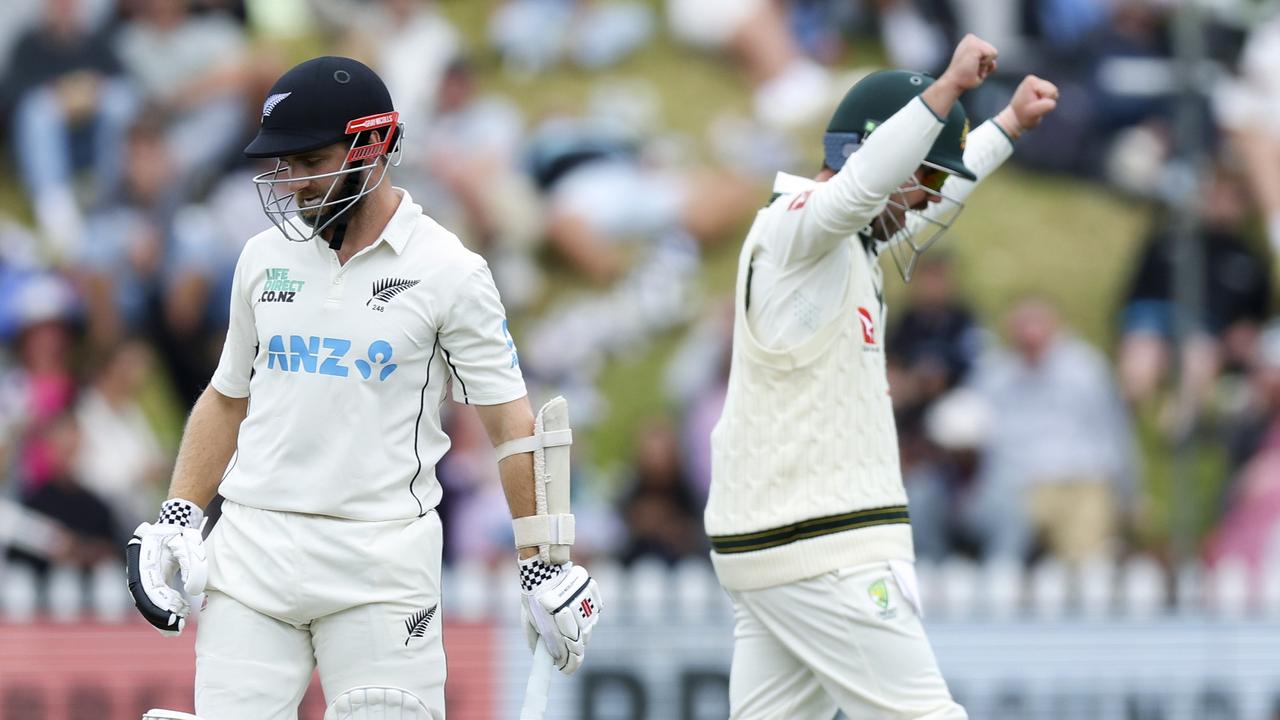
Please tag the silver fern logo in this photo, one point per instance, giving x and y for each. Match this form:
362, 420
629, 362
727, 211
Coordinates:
416, 624
387, 288
272, 102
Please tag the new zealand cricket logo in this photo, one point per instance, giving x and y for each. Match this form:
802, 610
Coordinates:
416, 624
387, 288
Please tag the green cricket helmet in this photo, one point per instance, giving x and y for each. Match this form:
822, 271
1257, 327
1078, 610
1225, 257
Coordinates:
874, 99
907, 226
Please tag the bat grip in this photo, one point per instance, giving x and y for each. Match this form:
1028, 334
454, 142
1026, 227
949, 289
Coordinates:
535, 692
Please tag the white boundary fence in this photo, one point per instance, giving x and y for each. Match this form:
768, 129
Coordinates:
1124, 643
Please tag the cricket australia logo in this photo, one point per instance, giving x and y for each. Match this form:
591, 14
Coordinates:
272, 102
387, 288
416, 624
879, 593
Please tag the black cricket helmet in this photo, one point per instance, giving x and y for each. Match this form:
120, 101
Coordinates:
318, 103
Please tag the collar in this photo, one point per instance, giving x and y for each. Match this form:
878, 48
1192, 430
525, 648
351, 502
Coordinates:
786, 183
398, 229
402, 222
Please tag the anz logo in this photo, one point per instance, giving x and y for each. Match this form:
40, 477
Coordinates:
325, 356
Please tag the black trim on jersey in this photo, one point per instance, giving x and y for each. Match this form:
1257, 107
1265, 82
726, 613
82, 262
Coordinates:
449, 359
746, 300
417, 424
235, 457
869, 244
874, 248
806, 529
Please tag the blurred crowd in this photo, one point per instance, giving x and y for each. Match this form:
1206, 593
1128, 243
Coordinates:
128, 201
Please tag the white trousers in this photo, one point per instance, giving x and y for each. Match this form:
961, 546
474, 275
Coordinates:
849, 640
290, 593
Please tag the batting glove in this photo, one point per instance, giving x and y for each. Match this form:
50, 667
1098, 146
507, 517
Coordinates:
166, 565
561, 604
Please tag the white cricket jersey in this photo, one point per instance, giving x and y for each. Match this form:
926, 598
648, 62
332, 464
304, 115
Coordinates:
346, 366
805, 470
797, 288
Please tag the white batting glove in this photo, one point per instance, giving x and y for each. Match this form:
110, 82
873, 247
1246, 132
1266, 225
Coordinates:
561, 605
166, 566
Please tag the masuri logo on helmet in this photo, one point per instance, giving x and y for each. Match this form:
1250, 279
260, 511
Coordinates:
372, 122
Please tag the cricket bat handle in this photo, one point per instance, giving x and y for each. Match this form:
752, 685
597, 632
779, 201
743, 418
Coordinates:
535, 692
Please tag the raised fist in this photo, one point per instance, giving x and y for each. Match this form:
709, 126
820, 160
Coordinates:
1034, 98
973, 60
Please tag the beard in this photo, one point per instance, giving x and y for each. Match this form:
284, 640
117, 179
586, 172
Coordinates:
888, 223
893, 219
348, 187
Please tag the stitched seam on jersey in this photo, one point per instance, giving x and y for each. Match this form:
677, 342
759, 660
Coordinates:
449, 359
807, 529
235, 458
417, 425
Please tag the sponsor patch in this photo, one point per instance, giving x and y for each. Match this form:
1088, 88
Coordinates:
279, 288
868, 326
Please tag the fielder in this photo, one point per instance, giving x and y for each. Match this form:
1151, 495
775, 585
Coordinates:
321, 429
807, 513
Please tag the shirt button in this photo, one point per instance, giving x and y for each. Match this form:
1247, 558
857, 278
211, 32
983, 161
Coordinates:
337, 280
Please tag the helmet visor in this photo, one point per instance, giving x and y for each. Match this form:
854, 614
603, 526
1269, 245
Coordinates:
279, 143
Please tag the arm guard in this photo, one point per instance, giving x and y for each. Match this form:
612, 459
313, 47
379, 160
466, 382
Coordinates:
550, 528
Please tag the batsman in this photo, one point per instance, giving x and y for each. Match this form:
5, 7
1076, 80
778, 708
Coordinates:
351, 320
807, 513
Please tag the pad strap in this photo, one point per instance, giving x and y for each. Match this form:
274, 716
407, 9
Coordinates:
535, 530
534, 442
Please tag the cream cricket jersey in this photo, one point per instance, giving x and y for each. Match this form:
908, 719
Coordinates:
796, 288
805, 470
346, 367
